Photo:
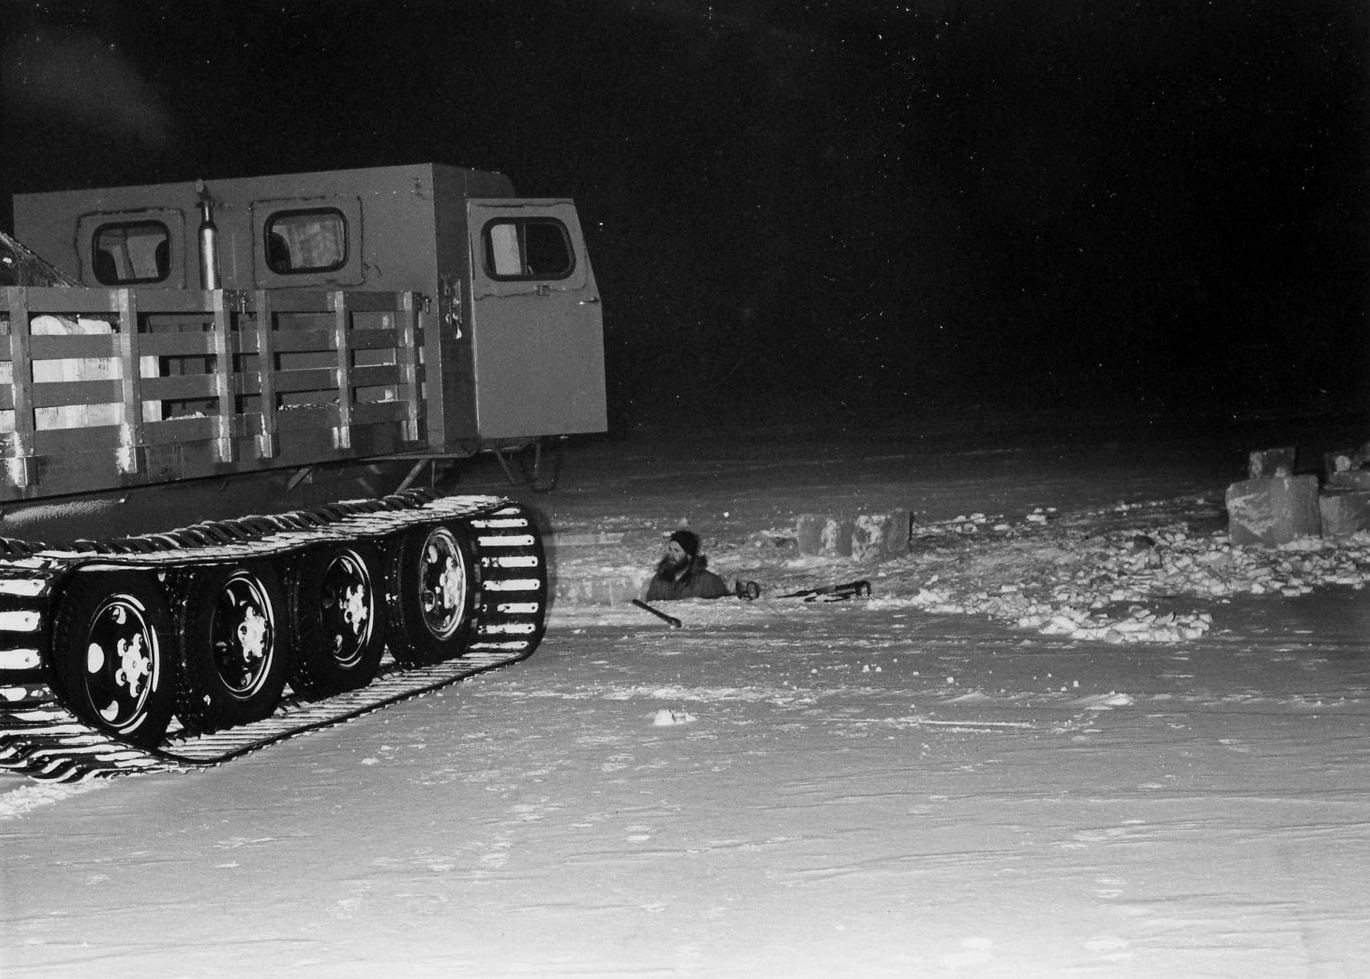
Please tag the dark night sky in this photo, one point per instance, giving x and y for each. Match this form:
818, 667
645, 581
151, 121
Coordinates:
1155, 205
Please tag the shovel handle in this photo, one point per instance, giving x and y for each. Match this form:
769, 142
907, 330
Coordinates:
674, 622
846, 589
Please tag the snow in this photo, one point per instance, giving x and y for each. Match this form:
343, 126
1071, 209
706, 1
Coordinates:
1073, 732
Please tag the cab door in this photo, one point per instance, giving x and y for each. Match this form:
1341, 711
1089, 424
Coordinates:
537, 333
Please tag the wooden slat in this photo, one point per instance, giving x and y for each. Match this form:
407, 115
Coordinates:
151, 301
92, 440
381, 375
190, 302
407, 360
197, 429
371, 338
130, 381
342, 327
176, 344
286, 341
180, 387
267, 445
285, 301
306, 418
74, 347
156, 302
223, 379
290, 341
322, 379
190, 428
371, 302
64, 301
57, 394
375, 412
20, 451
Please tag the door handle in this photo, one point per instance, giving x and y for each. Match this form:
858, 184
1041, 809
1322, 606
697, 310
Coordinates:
587, 302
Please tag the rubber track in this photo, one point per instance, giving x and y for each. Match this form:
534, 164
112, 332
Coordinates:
43, 739
56, 746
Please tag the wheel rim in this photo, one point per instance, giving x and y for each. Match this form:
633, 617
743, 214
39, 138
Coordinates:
123, 662
243, 634
443, 584
347, 605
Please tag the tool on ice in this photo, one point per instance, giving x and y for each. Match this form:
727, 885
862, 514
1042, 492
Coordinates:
671, 619
834, 593
748, 591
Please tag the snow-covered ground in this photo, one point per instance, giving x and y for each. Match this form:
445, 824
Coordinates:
1072, 732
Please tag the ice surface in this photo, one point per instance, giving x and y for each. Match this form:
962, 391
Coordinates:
1073, 732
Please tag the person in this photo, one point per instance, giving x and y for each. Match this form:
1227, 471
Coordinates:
683, 573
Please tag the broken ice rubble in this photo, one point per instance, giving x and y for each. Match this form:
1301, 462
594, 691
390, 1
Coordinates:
1101, 587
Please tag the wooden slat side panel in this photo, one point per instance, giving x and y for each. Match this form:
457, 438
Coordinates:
200, 383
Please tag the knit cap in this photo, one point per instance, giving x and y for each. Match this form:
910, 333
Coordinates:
688, 541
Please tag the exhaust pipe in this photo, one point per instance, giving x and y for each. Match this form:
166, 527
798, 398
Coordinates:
209, 239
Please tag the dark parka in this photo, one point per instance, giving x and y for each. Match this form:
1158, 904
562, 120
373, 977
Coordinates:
696, 582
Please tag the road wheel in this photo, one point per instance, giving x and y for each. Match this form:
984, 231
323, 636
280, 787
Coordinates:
112, 654
431, 595
233, 656
337, 619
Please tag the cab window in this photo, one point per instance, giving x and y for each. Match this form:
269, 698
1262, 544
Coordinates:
528, 248
306, 241
131, 253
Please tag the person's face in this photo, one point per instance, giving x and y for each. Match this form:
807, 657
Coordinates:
674, 560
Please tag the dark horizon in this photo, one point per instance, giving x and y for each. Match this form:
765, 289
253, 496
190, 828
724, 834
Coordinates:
1150, 207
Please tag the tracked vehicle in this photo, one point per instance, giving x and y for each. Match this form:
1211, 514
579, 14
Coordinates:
186, 396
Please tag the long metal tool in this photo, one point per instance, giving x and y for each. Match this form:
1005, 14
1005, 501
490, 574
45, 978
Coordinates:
848, 589
674, 622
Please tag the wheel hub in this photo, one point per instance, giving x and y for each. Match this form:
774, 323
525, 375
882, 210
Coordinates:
243, 633
119, 660
346, 601
444, 585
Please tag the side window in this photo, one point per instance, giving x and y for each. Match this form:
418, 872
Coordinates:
299, 242
528, 248
131, 253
